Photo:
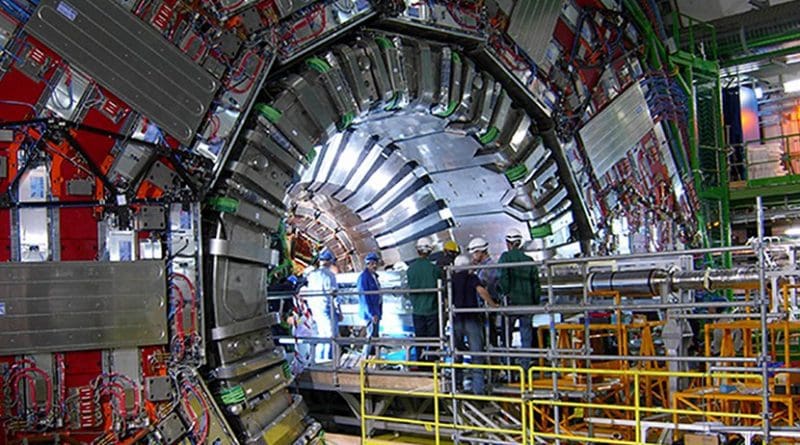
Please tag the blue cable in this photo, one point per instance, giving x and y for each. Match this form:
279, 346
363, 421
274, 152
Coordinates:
15, 10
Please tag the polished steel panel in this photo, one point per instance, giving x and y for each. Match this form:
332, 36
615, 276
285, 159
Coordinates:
288, 425
250, 365
469, 186
358, 76
246, 345
250, 325
264, 381
131, 59
255, 421
80, 305
371, 58
609, 136
247, 251
239, 288
532, 24
402, 212
442, 151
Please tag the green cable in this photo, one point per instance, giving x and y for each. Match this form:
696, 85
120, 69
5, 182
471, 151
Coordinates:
516, 172
347, 120
318, 64
491, 134
451, 108
272, 114
224, 204
383, 42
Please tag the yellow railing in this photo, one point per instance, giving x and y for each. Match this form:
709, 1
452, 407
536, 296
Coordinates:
634, 376
529, 406
438, 394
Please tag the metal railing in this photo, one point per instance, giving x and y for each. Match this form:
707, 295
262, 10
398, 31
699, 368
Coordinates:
536, 408
788, 159
439, 392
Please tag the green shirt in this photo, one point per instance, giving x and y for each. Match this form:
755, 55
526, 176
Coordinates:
423, 274
521, 284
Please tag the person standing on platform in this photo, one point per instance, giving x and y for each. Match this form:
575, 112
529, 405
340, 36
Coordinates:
467, 289
446, 256
521, 286
370, 305
423, 274
322, 302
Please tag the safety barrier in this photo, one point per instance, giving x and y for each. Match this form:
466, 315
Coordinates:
544, 415
439, 392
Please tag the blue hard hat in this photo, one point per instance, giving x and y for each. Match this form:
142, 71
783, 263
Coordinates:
327, 255
372, 256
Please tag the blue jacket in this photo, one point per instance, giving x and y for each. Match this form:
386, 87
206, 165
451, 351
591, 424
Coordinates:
372, 304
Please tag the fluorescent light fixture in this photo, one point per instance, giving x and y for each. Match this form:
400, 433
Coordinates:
759, 93
792, 231
792, 86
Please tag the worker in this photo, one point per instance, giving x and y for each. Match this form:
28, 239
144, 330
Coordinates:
323, 303
370, 305
478, 249
446, 256
467, 288
521, 287
423, 274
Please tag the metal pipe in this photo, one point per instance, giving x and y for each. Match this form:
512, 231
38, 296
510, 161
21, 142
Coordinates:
560, 308
450, 316
649, 358
284, 296
587, 338
551, 299
722, 316
764, 308
606, 259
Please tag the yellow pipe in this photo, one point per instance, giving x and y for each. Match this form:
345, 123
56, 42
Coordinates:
522, 413
637, 414
363, 384
436, 403
480, 398
482, 429
644, 373
398, 392
424, 423
581, 405
688, 412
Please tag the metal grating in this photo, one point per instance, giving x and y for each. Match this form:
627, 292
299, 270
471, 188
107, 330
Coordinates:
532, 25
130, 59
79, 305
609, 136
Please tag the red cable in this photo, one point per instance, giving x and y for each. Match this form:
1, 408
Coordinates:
206, 415
319, 12
23, 373
252, 79
179, 319
192, 290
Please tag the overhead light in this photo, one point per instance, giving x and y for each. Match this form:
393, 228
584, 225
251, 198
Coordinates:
792, 231
759, 93
791, 86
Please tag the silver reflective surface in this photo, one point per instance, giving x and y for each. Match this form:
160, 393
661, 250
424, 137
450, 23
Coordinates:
81, 305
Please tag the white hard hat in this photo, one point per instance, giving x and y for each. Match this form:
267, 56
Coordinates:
462, 260
514, 236
477, 244
424, 244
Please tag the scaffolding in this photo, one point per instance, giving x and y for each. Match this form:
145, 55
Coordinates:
656, 392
